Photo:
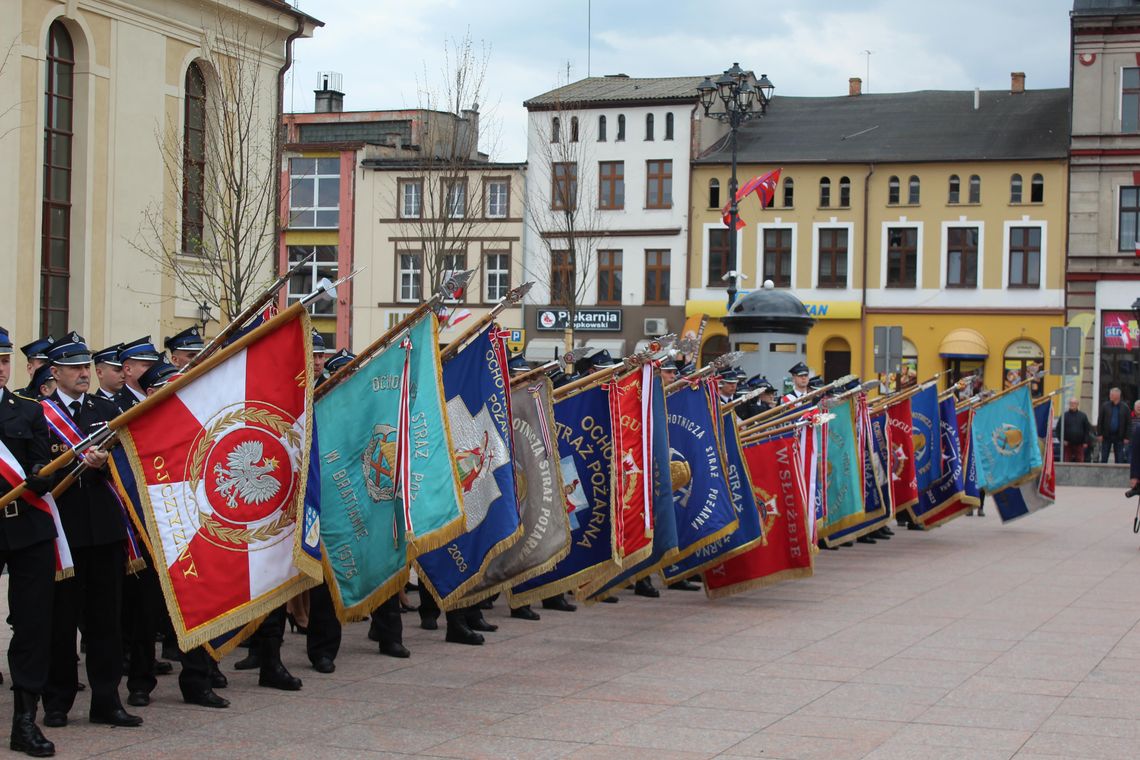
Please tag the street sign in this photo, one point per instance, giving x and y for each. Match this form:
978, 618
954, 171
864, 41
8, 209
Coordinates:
584, 319
888, 349
516, 340
1065, 351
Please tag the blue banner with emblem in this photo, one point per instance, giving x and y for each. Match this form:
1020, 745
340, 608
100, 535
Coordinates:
1031, 496
478, 413
1004, 437
950, 486
927, 437
585, 448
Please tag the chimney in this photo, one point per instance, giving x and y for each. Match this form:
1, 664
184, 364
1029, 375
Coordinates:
977, 98
470, 118
854, 86
1016, 82
330, 98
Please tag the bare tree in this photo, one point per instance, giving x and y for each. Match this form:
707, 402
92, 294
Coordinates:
565, 215
219, 244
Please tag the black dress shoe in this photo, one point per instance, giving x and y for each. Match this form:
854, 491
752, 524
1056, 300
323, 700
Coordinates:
251, 661
558, 603
914, 526
206, 698
525, 613
138, 699
609, 600
886, 531
462, 634
324, 665
684, 585
848, 544
644, 587
487, 604
53, 719
429, 624
394, 649
116, 716
163, 668
482, 625
277, 677
218, 679
866, 540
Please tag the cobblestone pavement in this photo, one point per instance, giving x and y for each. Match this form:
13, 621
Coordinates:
973, 641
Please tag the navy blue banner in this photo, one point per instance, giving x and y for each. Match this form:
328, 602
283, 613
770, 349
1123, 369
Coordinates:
950, 486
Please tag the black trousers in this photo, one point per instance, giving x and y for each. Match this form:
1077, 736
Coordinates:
386, 623
429, 610
143, 609
95, 593
31, 586
194, 678
323, 638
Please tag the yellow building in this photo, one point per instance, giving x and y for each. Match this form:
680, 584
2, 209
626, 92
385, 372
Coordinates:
942, 212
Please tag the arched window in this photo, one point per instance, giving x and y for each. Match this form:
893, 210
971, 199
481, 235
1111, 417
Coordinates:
844, 192
893, 191
824, 192
621, 127
789, 193
55, 254
1015, 189
975, 189
714, 193
193, 160
601, 129
669, 126
555, 129
648, 126
912, 191
573, 129
955, 190
1037, 189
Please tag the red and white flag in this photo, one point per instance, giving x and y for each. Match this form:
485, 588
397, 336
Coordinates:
12, 476
221, 457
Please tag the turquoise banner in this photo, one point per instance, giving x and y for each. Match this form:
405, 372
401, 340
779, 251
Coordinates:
844, 470
1004, 439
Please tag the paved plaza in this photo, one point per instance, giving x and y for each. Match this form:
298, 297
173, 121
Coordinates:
974, 641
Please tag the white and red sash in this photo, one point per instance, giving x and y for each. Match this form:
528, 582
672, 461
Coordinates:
13, 474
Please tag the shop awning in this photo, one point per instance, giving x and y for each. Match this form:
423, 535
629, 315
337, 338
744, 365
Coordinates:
964, 343
542, 350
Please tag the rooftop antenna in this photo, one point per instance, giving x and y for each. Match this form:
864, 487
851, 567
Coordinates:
867, 80
589, 33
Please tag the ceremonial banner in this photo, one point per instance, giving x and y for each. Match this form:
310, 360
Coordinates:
631, 420
781, 492
948, 489
585, 444
220, 457
876, 491
844, 471
364, 522
927, 439
478, 410
12, 476
1043, 413
538, 478
900, 438
1033, 495
1004, 438
969, 498
750, 531
701, 499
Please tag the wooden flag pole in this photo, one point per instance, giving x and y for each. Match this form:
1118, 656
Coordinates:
531, 374
783, 409
510, 299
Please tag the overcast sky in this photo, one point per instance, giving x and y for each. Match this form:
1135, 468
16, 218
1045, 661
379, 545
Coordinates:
807, 47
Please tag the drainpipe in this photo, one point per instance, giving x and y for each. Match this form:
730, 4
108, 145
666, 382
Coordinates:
863, 299
278, 145
694, 150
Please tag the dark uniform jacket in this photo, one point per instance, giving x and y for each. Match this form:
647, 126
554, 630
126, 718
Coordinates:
125, 398
25, 433
90, 513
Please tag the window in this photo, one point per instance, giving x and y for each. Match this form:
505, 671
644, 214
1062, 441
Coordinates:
1023, 359
954, 195
304, 282
902, 257
912, 191
714, 193
497, 275
824, 192
621, 127
314, 193
573, 129
498, 192
455, 197
832, 258
1015, 189
1037, 189
410, 276
55, 253
668, 126
1129, 219
893, 191
601, 129
648, 126
975, 189
778, 257
564, 190
1130, 100
844, 192
659, 184
555, 130
789, 193
657, 277
193, 160
411, 198
720, 257
562, 279
611, 184
609, 278
1025, 257
962, 257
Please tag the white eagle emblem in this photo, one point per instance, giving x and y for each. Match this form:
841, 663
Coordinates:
246, 477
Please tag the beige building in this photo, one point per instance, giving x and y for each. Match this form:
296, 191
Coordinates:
101, 104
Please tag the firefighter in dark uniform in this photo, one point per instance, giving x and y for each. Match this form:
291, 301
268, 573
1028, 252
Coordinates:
109, 371
801, 375
28, 554
36, 354
94, 523
184, 346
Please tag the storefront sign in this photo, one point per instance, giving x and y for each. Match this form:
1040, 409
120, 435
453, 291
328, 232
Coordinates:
1119, 329
584, 319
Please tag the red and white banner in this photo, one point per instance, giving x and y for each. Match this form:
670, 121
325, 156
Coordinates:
631, 418
900, 439
221, 459
12, 475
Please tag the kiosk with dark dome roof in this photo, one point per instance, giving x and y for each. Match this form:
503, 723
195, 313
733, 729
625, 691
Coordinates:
769, 327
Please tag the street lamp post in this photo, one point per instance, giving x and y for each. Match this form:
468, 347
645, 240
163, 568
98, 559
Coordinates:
742, 101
